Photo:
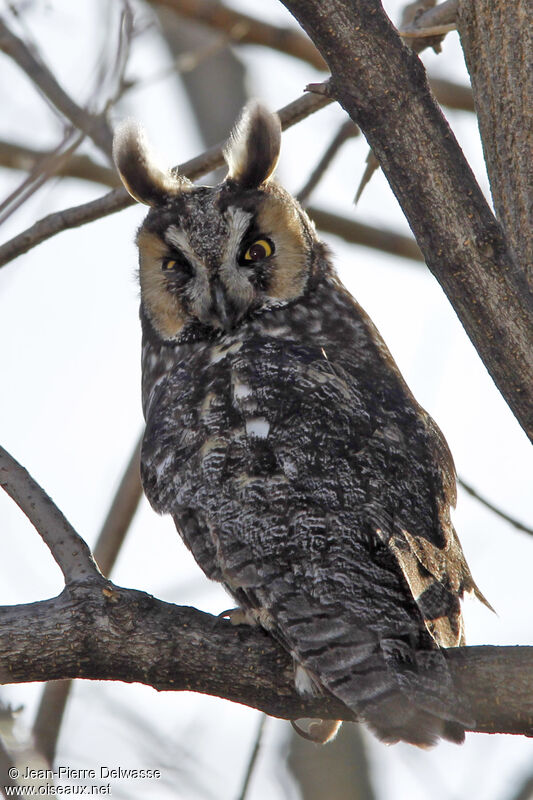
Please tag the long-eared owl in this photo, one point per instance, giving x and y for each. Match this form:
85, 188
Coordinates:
284, 442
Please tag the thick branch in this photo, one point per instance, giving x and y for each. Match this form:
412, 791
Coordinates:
497, 39
112, 633
382, 85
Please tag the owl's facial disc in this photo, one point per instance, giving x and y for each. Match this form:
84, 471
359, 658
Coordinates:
219, 293
215, 256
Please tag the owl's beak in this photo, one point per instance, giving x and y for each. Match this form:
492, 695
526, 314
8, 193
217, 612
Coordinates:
224, 310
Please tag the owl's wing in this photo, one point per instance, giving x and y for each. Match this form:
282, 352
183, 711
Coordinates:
437, 572
296, 495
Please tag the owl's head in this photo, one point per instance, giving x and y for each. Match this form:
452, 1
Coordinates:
215, 255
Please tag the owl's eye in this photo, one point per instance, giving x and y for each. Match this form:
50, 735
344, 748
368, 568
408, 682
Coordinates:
177, 268
259, 250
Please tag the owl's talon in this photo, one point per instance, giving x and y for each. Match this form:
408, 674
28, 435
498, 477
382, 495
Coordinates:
237, 616
319, 731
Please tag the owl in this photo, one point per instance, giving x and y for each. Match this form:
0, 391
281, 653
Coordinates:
283, 441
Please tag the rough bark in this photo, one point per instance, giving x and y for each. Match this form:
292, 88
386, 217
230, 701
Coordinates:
382, 85
497, 39
103, 632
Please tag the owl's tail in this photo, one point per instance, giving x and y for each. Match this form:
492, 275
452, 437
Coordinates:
402, 693
391, 715
396, 719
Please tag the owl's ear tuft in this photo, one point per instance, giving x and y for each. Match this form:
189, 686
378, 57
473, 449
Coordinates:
144, 179
252, 150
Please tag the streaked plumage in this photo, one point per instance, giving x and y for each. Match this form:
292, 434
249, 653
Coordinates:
282, 439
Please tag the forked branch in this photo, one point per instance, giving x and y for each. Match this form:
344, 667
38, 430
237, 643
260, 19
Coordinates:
110, 633
385, 91
96, 630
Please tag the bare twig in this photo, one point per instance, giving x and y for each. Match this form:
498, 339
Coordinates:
253, 758
119, 199
17, 156
67, 547
246, 29
6, 763
117, 69
424, 25
41, 172
120, 514
183, 63
372, 164
95, 126
451, 94
49, 718
511, 520
55, 695
64, 220
366, 235
429, 21
347, 131
427, 32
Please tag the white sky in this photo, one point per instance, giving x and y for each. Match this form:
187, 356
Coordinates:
70, 412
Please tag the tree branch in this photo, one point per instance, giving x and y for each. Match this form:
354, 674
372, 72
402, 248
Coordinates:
95, 630
384, 90
17, 156
67, 547
497, 39
244, 29
120, 514
434, 21
119, 199
94, 125
442, 14
495, 510
112, 633
366, 235
6, 763
452, 94
117, 522
346, 131
253, 758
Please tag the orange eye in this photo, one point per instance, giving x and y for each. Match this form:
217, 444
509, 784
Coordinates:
177, 270
259, 250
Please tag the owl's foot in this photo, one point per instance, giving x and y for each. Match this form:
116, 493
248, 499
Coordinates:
319, 731
238, 616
